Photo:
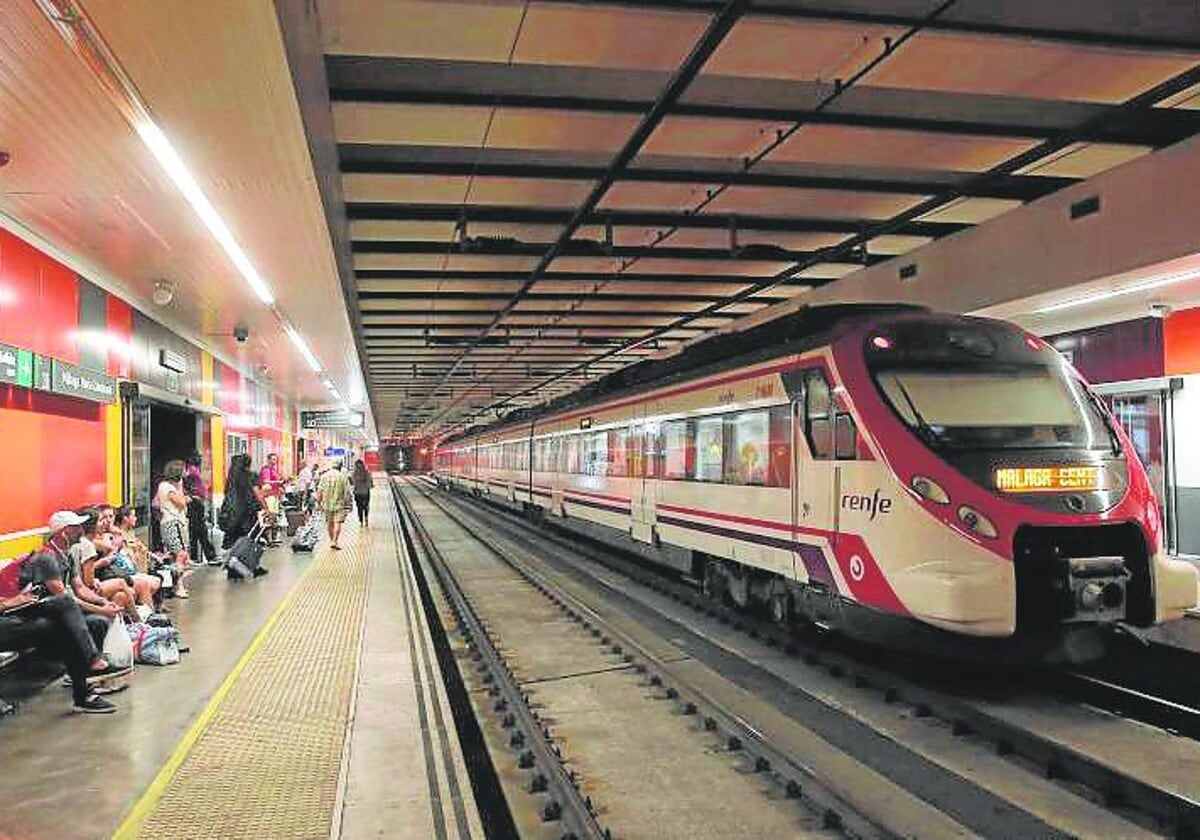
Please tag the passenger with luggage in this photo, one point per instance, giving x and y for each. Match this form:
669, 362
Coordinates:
362, 482
334, 497
199, 542
239, 510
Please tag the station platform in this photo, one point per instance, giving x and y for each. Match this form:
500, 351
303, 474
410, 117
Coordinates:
310, 707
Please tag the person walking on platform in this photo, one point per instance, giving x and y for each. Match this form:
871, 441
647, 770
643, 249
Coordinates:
199, 542
362, 482
334, 495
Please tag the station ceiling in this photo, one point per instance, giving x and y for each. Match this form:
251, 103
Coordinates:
538, 193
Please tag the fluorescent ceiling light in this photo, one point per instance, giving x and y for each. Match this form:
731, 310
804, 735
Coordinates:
170, 161
302, 346
1096, 297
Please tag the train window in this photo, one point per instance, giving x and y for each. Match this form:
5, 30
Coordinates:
779, 464
596, 454
676, 445
710, 448
818, 415
746, 454
618, 451
652, 451
571, 454
634, 452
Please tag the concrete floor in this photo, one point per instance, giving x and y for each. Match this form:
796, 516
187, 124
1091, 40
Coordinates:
73, 777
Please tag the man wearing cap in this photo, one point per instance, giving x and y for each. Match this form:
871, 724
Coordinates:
66, 527
38, 612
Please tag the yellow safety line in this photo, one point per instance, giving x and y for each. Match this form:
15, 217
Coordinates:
132, 824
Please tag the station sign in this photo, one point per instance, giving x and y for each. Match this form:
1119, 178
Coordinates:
331, 419
335, 452
74, 381
16, 366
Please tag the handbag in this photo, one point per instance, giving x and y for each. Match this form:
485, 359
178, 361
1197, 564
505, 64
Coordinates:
118, 647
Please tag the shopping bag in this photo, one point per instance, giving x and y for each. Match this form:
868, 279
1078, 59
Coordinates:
118, 647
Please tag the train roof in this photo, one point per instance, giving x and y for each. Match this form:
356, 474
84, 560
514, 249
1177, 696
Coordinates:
810, 326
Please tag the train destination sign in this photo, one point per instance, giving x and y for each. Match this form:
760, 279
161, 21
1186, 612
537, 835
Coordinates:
16, 366
74, 381
1055, 479
331, 419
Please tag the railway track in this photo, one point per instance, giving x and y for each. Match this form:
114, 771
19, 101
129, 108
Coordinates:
980, 763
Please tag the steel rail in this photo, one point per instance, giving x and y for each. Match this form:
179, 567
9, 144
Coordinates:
569, 805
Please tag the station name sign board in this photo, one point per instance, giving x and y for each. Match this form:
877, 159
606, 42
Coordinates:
75, 381
331, 419
42, 373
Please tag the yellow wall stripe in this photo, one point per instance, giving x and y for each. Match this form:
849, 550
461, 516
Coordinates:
114, 474
218, 453
17, 546
207, 391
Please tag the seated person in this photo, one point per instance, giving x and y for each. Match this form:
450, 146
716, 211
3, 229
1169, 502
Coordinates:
31, 617
118, 563
95, 548
66, 529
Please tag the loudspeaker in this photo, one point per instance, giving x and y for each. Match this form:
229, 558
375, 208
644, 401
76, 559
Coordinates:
129, 391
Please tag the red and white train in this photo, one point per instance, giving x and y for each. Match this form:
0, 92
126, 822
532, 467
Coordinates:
899, 474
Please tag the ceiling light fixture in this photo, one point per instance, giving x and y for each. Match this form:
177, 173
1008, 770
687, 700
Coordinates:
173, 165
302, 346
1096, 297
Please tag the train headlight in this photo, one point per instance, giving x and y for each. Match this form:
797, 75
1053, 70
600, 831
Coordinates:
976, 522
930, 490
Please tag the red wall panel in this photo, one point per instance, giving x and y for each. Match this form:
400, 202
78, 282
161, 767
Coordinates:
120, 330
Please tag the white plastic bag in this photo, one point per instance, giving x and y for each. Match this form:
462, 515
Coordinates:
118, 647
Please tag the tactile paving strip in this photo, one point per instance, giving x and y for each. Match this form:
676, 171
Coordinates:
267, 764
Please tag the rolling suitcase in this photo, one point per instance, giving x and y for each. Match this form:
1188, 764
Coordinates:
246, 554
295, 521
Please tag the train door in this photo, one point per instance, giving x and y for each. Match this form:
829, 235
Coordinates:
643, 470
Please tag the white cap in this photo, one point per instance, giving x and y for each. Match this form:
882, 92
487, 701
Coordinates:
64, 518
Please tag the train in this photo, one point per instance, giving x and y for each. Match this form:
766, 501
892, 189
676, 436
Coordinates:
927, 480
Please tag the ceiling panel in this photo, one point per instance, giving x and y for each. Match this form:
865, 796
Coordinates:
808, 50
879, 147
770, 201
625, 38
464, 31
1043, 70
1083, 160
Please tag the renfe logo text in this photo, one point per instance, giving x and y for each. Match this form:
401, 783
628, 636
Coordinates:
874, 505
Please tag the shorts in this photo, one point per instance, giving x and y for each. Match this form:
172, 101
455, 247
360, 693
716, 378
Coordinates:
174, 535
338, 515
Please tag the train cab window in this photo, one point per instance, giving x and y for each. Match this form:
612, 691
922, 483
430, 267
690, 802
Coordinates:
677, 450
831, 431
818, 415
710, 448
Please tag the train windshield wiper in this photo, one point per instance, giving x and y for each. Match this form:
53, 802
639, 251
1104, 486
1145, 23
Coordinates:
926, 431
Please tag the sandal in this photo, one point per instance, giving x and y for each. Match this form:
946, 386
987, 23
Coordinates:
182, 593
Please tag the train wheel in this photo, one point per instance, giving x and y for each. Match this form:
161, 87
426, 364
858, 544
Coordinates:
779, 608
715, 586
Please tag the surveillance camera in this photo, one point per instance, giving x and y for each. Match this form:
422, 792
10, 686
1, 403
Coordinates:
241, 333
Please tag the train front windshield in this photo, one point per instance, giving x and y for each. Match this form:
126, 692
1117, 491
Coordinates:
1032, 408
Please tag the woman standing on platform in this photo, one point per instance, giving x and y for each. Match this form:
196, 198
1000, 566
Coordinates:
362, 491
239, 509
334, 495
173, 521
